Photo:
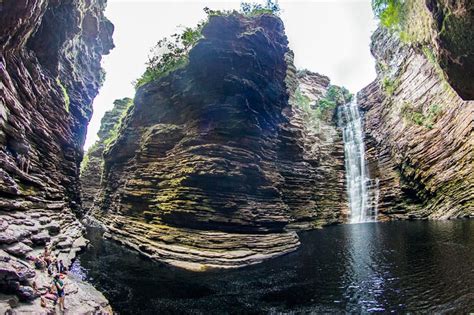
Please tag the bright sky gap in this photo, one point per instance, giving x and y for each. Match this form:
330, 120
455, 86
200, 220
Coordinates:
328, 37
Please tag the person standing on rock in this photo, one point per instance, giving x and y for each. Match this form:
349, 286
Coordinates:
59, 285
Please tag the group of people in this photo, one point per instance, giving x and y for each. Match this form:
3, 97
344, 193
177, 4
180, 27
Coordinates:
55, 268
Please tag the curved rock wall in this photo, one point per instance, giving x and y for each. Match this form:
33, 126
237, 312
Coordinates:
210, 164
49, 74
419, 135
447, 28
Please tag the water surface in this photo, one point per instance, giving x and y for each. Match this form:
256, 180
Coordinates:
370, 267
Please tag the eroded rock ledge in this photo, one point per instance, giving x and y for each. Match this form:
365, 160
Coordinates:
213, 166
49, 74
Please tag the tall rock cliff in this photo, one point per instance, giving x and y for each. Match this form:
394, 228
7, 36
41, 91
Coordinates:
453, 40
445, 26
92, 164
49, 74
419, 134
210, 167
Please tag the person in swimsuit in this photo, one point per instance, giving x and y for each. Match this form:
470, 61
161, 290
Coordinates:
47, 255
59, 284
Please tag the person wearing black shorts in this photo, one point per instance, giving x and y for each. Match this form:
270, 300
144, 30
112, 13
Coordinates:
59, 284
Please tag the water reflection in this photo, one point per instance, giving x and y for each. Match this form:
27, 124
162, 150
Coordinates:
370, 267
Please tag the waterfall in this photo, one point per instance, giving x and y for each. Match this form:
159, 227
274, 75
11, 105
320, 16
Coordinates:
362, 191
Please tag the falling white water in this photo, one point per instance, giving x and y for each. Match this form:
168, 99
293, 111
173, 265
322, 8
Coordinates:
362, 191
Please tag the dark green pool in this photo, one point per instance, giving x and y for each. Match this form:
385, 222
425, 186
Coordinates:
371, 267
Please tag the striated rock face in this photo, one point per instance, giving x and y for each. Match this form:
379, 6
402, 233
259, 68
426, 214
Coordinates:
323, 148
447, 28
211, 166
419, 135
49, 74
91, 168
454, 42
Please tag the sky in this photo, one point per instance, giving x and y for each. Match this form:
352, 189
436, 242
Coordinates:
330, 37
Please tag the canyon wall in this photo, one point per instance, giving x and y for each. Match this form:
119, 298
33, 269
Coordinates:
213, 165
92, 164
419, 134
49, 75
453, 40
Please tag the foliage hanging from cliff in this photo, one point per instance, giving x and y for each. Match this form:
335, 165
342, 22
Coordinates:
324, 108
389, 12
409, 19
67, 100
252, 8
334, 97
170, 54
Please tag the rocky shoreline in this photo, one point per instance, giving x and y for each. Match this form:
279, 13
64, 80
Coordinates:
23, 284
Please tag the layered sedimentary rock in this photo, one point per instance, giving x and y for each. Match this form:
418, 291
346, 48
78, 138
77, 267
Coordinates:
447, 27
419, 134
49, 74
91, 167
213, 164
454, 42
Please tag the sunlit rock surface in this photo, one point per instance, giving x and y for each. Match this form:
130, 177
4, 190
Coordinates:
213, 166
49, 74
419, 135
92, 165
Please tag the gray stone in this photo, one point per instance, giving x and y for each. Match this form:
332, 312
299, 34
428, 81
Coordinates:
40, 238
19, 250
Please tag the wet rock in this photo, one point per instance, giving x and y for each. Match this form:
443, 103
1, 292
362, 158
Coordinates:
4, 256
7, 237
50, 73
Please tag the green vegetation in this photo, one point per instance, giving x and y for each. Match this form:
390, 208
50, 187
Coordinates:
85, 162
410, 19
419, 118
252, 9
390, 12
389, 85
335, 96
302, 100
67, 101
108, 137
324, 108
114, 132
338, 95
430, 55
170, 54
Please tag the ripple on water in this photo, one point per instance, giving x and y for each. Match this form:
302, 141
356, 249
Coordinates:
375, 267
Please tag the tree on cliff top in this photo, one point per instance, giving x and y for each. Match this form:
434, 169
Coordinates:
170, 54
